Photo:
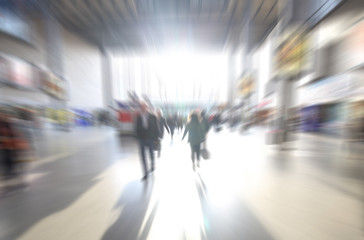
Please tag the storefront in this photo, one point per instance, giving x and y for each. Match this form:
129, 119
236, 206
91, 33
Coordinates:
26, 87
329, 105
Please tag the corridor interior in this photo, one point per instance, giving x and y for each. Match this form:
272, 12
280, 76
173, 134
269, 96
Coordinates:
90, 188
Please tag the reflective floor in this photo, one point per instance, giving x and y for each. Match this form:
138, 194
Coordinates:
87, 186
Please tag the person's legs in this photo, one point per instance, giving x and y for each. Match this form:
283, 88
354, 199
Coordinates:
197, 149
159, 151
192, 155
157, 146
151, 153
142, 145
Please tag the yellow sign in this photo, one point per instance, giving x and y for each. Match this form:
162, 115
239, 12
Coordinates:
290, 55
246, 85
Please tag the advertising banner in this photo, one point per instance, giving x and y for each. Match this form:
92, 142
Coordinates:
290, 58
53, 85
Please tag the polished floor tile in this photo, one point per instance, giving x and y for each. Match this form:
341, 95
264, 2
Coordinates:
87, 185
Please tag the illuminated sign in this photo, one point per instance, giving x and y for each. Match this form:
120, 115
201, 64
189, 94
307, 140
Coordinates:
246, 85
290, 55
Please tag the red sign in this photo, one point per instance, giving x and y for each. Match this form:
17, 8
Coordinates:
125, 117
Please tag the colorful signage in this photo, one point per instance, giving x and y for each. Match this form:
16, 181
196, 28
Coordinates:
246, 85
290, 55
53, 85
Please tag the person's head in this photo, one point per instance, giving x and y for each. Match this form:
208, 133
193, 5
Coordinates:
194, 117
159, 113
203, 113
144, 106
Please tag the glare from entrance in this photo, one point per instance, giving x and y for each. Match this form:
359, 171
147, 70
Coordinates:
172, 77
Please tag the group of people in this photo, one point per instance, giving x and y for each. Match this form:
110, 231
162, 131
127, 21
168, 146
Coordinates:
150, 131
175, 122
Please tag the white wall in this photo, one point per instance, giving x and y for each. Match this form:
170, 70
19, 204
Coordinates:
83, 70
337, 28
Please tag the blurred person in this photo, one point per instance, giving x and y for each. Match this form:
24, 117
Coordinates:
211, 120
180, 123
24, 129
171, 121
217, 122
101, 119
26, 124
362, 130
206, 127
162, 124
37, 124
7, 136
147, 130
195, 136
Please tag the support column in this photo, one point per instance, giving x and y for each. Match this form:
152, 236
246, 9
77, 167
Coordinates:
285, 84
108, 94
54, 52
231, 79
247, 56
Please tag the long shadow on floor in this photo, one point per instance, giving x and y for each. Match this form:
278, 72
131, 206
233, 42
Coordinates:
134, 201
65, 180
238, 222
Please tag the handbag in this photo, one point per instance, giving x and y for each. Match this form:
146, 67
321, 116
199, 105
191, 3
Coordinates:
205, 154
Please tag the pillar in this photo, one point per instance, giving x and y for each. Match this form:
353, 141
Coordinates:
54, 52
107, 91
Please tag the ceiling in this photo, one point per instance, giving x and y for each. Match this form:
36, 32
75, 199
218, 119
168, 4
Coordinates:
140, 25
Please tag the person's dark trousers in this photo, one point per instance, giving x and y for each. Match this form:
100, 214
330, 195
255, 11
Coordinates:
143, 145
195, 149
172, 133
8, 158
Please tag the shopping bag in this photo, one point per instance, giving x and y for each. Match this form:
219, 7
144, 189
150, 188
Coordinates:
205, 154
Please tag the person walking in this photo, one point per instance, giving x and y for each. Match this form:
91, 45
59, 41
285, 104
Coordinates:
171, 124
162, 125
195, 136
180, 123
7, 144
206, 127
147, 130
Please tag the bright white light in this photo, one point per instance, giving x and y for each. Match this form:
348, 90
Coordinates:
192, 76
182, 76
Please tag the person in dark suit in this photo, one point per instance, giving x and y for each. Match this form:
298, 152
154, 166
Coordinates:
147, 131
206, 128
162, 124
196, 135
7, 145
172, 124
